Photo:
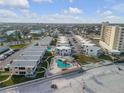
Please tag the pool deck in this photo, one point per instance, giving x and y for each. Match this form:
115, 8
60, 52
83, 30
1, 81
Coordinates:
56, 70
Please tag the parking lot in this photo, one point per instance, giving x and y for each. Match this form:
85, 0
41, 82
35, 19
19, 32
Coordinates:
7, 61
75, 46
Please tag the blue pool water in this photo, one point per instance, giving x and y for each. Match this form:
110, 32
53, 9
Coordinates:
49, 49
62, 65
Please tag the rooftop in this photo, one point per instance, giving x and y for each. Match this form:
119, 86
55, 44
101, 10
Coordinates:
29, 56
63, 47
24, 63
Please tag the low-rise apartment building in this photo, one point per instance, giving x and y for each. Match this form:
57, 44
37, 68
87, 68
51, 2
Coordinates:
87, 47
63, 47
63, 51
26, 63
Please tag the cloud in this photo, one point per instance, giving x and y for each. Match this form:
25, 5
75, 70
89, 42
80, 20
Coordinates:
42, 1
119, 8
35, 18
7, 13
73, 10
15, 3
112, 17
106, 13
108, 16
28, 14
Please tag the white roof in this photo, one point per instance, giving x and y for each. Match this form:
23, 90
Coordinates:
23, 63
30, 56
63, 47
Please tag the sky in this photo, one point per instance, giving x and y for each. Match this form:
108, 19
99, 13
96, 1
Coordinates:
62, 11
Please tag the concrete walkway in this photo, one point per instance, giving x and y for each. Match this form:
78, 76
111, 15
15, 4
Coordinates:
6, 79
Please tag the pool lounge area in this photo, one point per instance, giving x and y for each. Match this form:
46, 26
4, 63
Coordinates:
49, 49
61, 65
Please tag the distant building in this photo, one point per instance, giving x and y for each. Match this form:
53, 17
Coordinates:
112, 38
11, 32
55, 33
2, 39
14, 33
36, 32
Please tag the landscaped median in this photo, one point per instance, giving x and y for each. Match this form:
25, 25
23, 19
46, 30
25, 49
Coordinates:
18, 46
82, 59
105, 57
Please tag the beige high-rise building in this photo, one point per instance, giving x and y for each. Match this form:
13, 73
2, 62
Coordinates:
112, 38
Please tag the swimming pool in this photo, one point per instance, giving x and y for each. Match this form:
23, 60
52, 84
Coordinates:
49, 49
62, 65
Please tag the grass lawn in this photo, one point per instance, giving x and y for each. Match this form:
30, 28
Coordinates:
18, 46
19, 79
85, 59
15, 80
3, 77
105, 57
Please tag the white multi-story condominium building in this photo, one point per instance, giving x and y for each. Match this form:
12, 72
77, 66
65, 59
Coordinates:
112, 38
63, 51
87, 47
27, 62
63, 47
91, 49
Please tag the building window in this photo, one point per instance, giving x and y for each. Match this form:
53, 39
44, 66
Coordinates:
22, 73
21, 68
121, 38
91, 50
